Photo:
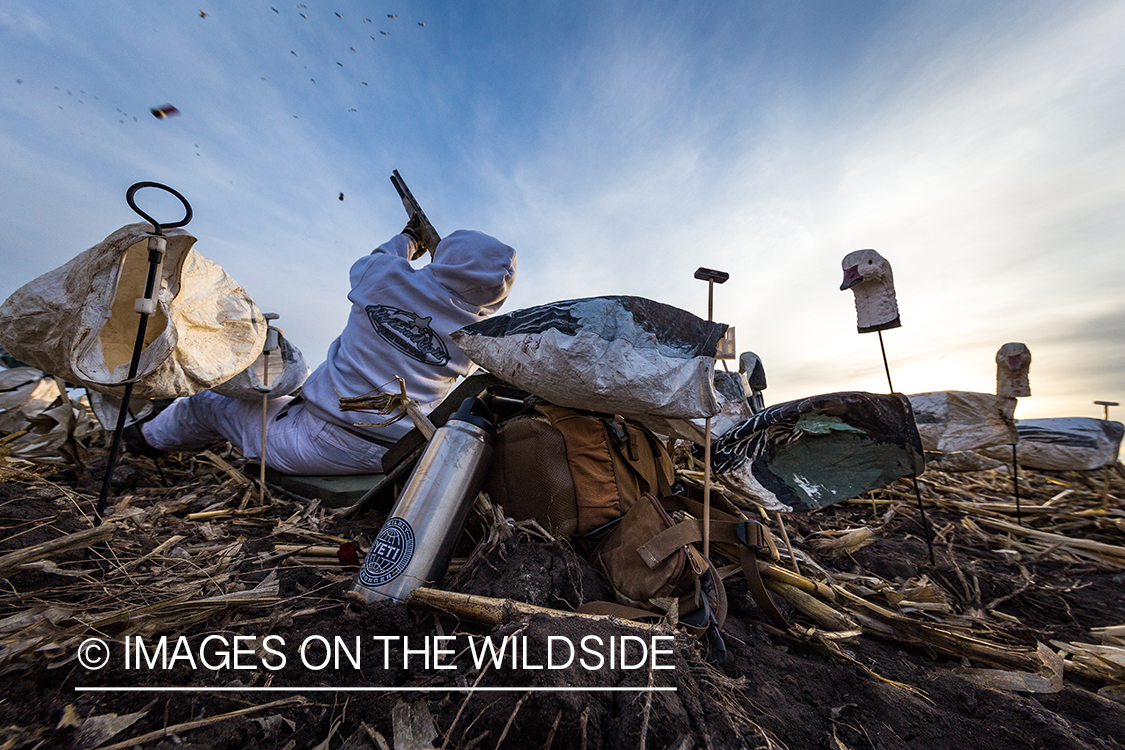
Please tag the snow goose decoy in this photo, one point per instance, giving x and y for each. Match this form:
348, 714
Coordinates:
869, 276
1013, 366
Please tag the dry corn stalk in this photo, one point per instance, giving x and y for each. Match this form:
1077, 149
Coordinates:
845, 540
388, 403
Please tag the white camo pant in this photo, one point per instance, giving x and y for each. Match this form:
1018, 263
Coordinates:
297, 443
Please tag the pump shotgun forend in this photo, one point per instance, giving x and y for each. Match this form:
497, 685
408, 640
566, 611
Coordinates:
430, 238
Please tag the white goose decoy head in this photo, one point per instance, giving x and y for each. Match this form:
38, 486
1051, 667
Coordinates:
1013, 368
869, 276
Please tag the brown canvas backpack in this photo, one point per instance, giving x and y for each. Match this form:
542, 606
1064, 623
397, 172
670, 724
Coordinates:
608, 481
574, 472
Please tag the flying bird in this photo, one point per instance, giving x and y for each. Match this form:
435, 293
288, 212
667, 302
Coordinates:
352, 49
341, 196
338, 16
303, 16
202, 14
275, 10
367, 20
392, 15
385, 33
164, 111
421, 24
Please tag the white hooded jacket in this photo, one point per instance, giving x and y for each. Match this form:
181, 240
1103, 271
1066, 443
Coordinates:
400, 322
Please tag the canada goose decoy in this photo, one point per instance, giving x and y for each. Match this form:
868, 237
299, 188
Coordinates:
751, 368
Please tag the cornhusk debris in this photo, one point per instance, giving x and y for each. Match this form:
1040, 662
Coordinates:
1015, 638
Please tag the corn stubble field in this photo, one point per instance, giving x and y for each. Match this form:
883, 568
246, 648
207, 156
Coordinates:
1014, 636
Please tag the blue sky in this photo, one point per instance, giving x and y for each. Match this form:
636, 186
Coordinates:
978, 146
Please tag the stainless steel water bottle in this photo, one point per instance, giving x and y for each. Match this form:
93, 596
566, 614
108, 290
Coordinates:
416, 542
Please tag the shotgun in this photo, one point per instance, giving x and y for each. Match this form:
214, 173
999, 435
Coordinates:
429, 237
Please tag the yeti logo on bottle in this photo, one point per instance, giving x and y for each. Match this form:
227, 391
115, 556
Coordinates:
389, 555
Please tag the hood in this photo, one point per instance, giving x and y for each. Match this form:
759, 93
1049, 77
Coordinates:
477, 268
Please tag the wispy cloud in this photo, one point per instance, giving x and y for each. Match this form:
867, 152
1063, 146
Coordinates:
988, 171
975, 145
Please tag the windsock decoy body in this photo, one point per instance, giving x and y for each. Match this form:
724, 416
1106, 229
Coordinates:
1013, 367
868, 275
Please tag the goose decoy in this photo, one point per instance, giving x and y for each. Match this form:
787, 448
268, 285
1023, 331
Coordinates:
869, 276
956, 426
751, 368
1013, 366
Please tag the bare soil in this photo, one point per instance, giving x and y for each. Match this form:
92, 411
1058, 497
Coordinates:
775, 689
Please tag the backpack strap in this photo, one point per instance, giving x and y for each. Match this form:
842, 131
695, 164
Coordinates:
758, 588
691, 602
748, 536
642, 451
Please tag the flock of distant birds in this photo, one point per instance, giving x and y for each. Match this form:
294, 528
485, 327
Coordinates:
300, 6
167, 110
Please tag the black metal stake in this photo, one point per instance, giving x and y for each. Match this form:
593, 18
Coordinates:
886, 367
156, 247
917, 492
123, 413
925, 522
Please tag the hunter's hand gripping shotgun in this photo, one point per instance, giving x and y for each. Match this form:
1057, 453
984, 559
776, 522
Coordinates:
419, 227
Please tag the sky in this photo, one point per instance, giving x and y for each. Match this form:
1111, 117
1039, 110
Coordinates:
618, 146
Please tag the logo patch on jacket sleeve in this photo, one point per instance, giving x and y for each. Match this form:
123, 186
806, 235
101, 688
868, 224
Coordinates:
409, 333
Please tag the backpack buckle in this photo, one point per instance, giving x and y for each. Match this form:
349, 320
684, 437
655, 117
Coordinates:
751, 534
